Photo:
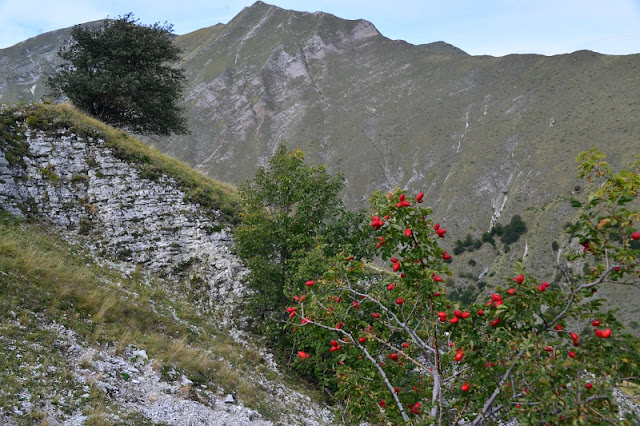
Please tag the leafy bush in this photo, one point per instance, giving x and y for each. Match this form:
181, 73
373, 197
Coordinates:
293, 221
513, 230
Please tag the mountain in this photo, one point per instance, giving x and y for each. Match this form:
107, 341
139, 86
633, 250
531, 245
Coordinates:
486, 138
119, 288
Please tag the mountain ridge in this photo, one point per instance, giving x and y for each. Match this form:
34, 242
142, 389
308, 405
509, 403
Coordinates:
484, 137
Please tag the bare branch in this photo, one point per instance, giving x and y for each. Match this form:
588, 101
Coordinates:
483, 415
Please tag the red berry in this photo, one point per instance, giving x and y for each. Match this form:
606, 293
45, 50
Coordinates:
407, 232
436, 226
339, 325
542, 288
465, 388
511, 291
572, 354
363, 339
480, 312
606, 333
595, 323
375, 315
459, 356
519, 279
391, 286
396, 266
559, 327
598, 332
574, 336
635, 235
548, 348
401, 197
466, 315
399, 300
419, 197
309, 283
437, 279
495, 322
334, 343
436, 293
394, 260
394, 357
441, 232
446, 256
457, 313
454, 320
588, 385
303, 355
405, 345
382, 404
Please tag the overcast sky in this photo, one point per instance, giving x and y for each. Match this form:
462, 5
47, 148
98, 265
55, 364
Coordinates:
492, 27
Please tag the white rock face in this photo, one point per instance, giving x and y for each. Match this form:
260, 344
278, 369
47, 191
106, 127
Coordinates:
82, 188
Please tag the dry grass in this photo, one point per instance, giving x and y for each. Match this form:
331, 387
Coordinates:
41, 273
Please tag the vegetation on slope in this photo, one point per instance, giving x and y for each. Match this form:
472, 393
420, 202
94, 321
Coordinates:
398, 349
210, 194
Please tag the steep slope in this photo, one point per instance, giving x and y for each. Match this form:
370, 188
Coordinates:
119, 295
486, 138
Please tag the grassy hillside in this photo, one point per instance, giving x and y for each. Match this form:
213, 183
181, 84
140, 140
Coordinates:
77, 332
45, 282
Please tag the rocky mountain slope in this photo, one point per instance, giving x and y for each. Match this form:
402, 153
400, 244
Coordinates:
119, 294
486, 138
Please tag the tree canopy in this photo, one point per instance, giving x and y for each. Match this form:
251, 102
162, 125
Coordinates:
292, 215
125, 74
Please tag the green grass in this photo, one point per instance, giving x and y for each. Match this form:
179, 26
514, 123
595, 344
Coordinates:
44, 279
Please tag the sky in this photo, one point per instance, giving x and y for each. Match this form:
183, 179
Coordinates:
479, 27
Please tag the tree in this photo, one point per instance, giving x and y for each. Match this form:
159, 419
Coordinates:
404, 352
125, 74
292, 221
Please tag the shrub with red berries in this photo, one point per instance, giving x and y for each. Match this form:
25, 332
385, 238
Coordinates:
530, 351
